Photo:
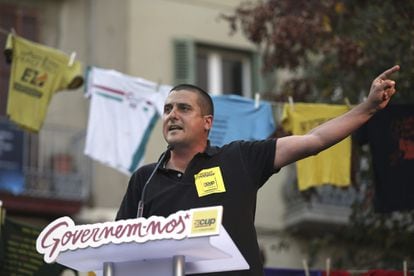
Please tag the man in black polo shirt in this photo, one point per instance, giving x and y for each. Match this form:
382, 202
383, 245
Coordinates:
240, 168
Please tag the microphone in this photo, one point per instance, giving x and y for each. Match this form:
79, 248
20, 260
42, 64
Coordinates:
140, 210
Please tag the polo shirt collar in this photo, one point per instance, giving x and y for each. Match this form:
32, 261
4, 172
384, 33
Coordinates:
209, 151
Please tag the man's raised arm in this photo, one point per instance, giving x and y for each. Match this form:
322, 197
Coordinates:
292, 148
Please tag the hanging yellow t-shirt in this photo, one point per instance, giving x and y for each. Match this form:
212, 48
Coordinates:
37, 72
332, 166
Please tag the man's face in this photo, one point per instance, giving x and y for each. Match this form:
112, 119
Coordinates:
183, 121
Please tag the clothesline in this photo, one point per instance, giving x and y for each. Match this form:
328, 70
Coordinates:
256, 96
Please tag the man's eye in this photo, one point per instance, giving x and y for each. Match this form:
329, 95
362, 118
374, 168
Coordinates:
184, 108
167, 109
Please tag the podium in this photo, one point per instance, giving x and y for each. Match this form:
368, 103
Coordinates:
187, 242
198, 255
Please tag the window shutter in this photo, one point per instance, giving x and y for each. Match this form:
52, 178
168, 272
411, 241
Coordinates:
184, 61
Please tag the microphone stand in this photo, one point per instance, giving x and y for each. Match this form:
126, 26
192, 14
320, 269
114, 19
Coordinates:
140, 210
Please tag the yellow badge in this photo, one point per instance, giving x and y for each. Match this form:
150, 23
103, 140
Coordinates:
209, 181
206, 221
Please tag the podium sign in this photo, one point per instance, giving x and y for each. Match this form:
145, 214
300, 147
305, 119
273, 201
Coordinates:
144, 245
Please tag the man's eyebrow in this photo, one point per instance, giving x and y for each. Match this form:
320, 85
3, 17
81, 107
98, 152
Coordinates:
183, 104
177, 103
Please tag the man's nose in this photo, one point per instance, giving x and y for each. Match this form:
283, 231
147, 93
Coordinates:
172, 113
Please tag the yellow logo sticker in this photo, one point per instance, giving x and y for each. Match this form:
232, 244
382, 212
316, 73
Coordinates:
206, 221
209, 181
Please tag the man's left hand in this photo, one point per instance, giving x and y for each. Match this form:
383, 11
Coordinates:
382, 89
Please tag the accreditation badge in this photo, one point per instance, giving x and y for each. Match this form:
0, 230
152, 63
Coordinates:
209, 181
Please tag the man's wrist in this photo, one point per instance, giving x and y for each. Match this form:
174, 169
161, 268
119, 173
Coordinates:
368, 108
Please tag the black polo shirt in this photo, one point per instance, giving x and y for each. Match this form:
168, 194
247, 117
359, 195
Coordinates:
245, 167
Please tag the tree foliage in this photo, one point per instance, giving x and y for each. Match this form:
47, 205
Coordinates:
339, 46
335, 48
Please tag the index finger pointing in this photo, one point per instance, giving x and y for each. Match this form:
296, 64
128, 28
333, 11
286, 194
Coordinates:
388, 72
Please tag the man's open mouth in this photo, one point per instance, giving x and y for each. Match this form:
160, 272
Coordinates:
174, 127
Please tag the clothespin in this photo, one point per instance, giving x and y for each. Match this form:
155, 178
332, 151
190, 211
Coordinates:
328, 266
256, 100
347, 102
72, 59
305, 267
291, 104
405, 269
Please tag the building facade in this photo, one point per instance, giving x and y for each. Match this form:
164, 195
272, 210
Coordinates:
164, 41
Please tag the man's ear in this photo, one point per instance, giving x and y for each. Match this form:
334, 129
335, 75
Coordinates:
208, 122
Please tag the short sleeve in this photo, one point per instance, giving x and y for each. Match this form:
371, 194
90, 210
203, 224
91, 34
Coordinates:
72, 76
258, 157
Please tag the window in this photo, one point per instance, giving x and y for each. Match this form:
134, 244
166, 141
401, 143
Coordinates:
223, 71
218, 70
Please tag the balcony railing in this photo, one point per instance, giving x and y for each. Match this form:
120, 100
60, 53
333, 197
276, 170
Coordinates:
46, 166
324, 207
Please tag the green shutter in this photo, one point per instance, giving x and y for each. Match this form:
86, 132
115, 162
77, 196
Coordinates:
184, 61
